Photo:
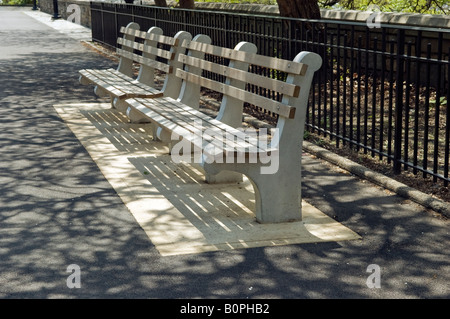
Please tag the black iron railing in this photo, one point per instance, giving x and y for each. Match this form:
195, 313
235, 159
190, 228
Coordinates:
382, 91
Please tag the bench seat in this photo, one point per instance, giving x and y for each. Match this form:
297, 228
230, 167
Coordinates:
119, 85
217, 141
152, 51
221, 146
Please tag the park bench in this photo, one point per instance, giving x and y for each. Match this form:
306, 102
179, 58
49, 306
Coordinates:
151, 51
223, 150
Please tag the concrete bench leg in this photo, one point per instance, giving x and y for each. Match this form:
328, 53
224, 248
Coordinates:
165, 136
136, 116
277, 196
276, 201
223, 177
119, 104
100, 92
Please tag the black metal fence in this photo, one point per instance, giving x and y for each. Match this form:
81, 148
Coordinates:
382, 91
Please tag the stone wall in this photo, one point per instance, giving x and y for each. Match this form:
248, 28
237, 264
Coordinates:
410, 19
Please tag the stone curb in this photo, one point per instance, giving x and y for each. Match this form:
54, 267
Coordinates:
401, 189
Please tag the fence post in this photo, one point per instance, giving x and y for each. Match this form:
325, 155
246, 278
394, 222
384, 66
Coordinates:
399, 101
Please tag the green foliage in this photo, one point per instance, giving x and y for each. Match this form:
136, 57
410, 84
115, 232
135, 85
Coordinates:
16, 2
408, 6
245, 1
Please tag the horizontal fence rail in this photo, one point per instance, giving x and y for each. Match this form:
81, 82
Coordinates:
381, 91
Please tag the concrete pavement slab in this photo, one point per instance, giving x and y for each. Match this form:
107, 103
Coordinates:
179, 212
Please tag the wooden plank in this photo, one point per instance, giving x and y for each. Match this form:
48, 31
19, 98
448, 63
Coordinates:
146, 61
121, 87
251, 58
245, 96
175, 112
176, 106
165, 54
149, 36
105, 85
134, 88
133, 32
240, 141
86, 73
244, 76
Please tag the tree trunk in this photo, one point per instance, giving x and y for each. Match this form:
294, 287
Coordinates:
187, 4
161, 3
307, 9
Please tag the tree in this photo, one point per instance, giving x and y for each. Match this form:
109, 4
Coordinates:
307, 9
161, 3
186, 4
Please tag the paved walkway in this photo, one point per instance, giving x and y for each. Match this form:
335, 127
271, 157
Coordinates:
57, 209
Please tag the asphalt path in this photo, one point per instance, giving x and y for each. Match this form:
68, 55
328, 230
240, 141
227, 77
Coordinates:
58, 210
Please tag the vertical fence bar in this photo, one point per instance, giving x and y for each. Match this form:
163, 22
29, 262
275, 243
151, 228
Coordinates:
427, 112
326, 73
418, 49
399, 101
382, 80
329, 119
374, 93
338, 84
103, 23
352, 83
358, 109
344, 90
447, 126
437, 109
320, 82
366, 90
407, 106
391, 99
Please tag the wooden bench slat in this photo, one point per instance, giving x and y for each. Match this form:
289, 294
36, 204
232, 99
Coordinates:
171, 122
246, 96
211, 123
147, 61
136, 85
244, 76
165, 54
134, 88
125, 88
149, 36
102, 79
251, 58
182, 116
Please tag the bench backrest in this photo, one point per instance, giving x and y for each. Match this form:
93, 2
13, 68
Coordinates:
290, 81
245, 76
152, 51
